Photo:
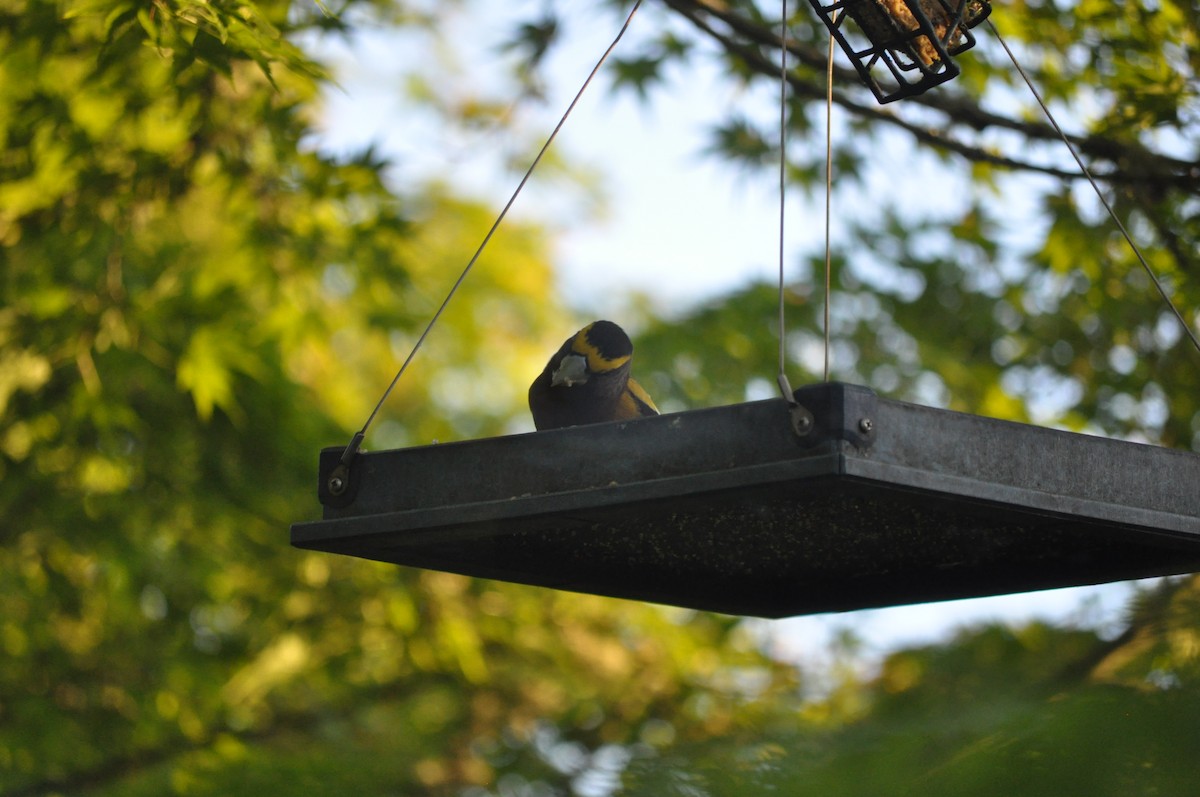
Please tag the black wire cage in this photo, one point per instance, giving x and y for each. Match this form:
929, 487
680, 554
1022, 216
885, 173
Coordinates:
901, 48
739, 510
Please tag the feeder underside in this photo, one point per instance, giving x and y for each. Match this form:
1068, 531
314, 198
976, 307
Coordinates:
728, 510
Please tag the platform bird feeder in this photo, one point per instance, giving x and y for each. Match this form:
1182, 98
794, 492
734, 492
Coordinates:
740, 510
903, 47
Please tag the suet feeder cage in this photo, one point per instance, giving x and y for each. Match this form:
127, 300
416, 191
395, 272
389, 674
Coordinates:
738, 509
903, 47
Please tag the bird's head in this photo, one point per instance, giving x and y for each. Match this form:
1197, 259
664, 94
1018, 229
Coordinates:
600, 347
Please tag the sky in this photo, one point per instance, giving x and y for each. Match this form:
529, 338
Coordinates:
679, 228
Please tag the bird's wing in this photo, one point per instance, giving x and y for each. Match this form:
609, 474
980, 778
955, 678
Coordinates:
640, 398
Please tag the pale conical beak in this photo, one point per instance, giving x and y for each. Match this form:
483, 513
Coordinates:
571, 371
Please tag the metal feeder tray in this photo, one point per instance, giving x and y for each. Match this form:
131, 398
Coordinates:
902, 47
729, 509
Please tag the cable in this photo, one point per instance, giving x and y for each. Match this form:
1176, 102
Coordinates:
1187, 328
828, 187
801, 417
782, 379
353, 447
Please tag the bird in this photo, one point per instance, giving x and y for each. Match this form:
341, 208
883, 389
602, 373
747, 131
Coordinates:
587, 381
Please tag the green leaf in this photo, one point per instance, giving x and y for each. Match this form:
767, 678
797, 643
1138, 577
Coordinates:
209, 368
210, 50
639, 74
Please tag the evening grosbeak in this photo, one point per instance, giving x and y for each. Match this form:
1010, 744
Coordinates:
587, 381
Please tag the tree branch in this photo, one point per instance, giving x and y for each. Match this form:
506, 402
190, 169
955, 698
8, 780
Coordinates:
1130, 163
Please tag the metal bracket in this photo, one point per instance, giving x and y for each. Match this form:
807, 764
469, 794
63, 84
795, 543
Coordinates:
338, 481
802, 419
836, 412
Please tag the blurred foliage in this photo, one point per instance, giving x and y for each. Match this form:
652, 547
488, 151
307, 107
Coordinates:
193, 301
1037, 710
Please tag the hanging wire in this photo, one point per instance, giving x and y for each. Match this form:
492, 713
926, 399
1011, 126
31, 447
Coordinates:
356, 442
782, 379
1187, 328
801, 417
828, 187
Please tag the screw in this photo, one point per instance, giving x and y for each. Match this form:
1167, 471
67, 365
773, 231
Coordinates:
866, 425
337, 485
802, 420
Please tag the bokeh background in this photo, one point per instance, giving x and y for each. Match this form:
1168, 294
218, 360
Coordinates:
223, 224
